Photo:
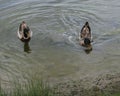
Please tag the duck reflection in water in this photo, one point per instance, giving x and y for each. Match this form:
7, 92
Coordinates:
27, 47
88, 50
86, 38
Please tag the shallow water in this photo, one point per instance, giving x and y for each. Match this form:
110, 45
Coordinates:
54, 51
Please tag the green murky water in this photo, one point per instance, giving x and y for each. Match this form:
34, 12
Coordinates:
54, 50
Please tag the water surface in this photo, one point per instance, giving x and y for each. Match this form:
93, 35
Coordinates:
54, 51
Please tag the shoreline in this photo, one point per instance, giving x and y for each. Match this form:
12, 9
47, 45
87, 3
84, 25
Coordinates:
107, 84
102, 85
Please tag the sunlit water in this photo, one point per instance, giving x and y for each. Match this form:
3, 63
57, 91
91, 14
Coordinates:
54, 51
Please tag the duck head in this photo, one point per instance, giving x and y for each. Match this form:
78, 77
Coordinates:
87, 41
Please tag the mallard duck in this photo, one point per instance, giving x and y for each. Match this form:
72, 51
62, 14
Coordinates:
85, 35
24, 33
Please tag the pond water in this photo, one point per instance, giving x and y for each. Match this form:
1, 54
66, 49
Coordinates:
54, 51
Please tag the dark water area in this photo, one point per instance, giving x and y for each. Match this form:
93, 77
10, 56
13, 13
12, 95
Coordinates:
54, 51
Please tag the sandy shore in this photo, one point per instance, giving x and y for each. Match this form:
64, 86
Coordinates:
102, 85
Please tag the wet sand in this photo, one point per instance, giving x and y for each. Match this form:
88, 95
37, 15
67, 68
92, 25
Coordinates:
102, 85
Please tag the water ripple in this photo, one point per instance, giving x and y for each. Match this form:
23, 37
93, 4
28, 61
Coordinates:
55, 25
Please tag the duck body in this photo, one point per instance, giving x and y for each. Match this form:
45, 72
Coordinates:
24, 33
85, 35
85, 31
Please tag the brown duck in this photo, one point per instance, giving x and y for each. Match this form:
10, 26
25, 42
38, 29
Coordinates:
85, 35
24, 33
